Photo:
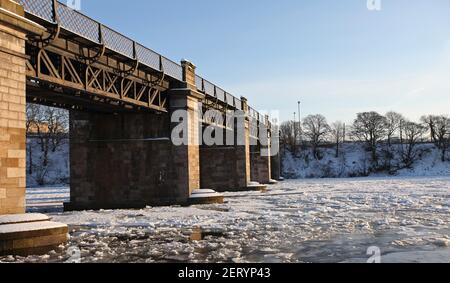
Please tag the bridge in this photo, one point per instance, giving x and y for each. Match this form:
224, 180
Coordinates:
121, 96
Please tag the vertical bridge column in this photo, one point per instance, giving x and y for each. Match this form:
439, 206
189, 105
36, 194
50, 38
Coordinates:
186, 157
120, 160
261, 157
275, 161
19, 233
242, 149
13, 30
227, 167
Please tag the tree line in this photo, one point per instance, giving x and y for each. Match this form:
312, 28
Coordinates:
383, 136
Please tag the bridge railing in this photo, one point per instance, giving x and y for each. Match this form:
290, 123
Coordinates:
75, 22
54, 12
221, 95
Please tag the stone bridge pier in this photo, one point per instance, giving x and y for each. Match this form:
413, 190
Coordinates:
240, 166
19, 233
275, 167
13, 30
260, 155
128, 160
226, 167
261, 164
275, 160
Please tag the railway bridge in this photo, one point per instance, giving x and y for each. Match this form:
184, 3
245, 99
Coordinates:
121, 96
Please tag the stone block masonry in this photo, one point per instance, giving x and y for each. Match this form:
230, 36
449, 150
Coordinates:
19, 233
260, 165
127, 160
13, 30
23, 234
225, 168
120, 161
12, 118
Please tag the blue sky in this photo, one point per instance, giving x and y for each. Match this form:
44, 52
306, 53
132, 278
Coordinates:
337, 57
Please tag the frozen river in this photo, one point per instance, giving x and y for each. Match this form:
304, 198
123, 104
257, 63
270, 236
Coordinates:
407, 220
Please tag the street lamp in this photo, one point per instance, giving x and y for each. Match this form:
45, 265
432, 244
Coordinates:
295, 130
299, 124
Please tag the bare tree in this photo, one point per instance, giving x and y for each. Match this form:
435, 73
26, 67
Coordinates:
57, 122
316, 128
41, 129
33, 116
32, 111
442, 133
413, 134
287, 135
394, 121
370, 127
439, 130
430, 122
49, 125
337, 134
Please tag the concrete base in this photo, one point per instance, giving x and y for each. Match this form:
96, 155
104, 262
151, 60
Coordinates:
205, 197
252, 186
69, 206
26, 234
197, 197
255, 186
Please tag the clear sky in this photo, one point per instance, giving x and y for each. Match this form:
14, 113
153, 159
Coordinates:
337, 57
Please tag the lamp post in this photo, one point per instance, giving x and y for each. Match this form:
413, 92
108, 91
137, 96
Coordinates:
299, 124
295, 130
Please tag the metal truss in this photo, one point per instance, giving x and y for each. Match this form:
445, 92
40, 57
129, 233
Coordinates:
70, 71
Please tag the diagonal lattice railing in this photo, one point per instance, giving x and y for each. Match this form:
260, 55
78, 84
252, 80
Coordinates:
75, 22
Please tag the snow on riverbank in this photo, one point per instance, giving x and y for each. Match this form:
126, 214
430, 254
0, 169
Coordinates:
354, 161
328, 220
47, 199
56, 171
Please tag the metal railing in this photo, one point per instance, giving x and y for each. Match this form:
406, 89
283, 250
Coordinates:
217, 92
75, 22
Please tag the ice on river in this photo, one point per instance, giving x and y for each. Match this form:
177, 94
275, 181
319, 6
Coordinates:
329, 220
